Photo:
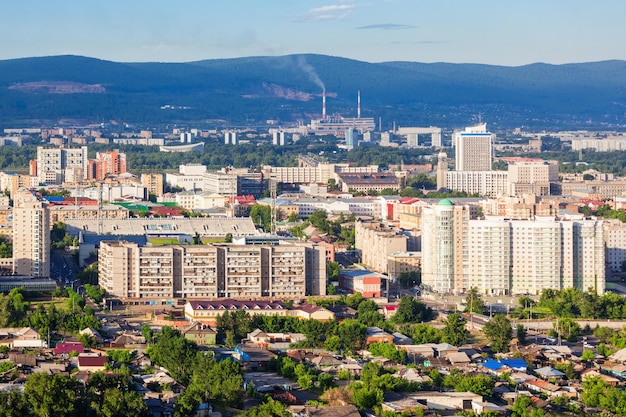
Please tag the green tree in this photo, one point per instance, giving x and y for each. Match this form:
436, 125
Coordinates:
261, 215
424, 333
587, 355
174, 353
524, 406
54, 395
351, 335
499, 332
454, 331
13, 404
147, 332
475, 302
412, 311
604, 334
410, 279
521, 334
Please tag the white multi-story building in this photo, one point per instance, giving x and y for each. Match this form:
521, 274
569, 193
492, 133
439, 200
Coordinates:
56, 165
503, 256
473, 148
484, 183
31, 235
615, 241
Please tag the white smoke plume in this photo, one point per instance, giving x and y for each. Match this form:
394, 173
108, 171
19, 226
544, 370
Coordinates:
310, 71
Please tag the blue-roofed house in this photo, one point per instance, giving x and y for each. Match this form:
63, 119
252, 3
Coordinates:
515, 364
495, 367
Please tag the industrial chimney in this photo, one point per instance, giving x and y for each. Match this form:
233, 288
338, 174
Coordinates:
358, 108
324, 104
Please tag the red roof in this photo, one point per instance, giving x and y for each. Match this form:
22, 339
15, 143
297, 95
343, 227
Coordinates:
68, 347
166, 211
89, 360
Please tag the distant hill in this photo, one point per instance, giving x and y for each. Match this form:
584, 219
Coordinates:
587, 95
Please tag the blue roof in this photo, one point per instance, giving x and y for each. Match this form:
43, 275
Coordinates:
54, 198
515, 363
493, 365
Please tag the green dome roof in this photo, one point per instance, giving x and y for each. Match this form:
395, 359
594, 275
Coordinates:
445, 202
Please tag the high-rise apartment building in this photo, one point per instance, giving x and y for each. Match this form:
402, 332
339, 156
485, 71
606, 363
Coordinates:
501, 256
57, 165
532, 176
287, 270
473, 148
31, 235
352, 138
106, 163
153, 183
375, 242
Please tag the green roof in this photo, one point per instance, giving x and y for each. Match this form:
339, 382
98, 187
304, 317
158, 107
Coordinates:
445, 202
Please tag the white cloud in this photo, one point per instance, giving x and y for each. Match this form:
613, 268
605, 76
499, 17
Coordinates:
328, 12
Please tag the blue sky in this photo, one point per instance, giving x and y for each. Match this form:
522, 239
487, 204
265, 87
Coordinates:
502, 32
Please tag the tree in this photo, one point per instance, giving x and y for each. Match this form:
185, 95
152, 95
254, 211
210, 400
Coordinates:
228, 238
424, 333
521, 334
147, 332
351, 335
454, 331
410, 279
53, 395
412, 311
604, 334
524, 406
261, 215
587, 355
475, 302
174, 353
499, 332
332, 270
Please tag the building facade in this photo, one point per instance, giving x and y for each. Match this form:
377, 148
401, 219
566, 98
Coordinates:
58, 165
31, 235
288, 270
501, 256
473, 149
375, 242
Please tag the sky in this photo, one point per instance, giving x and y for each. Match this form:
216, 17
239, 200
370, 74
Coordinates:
497, 32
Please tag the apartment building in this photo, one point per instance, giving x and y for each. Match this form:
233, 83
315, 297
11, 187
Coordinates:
532, 176
503, 256
375, 241
31, 235
473, 148
153, 183
287, 270
615, 241
58, 165
484, 183
106, 163
63, 213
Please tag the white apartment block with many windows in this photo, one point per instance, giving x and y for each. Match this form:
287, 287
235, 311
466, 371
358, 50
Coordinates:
502, 256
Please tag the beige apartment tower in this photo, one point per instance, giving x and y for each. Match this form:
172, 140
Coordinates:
31, 235
286, 270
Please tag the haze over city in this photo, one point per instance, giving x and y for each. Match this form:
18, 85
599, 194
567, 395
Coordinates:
488, 32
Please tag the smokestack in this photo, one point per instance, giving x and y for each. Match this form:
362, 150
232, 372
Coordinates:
358, 102
324, 104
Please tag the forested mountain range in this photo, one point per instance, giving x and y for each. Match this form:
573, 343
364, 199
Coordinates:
288, 88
